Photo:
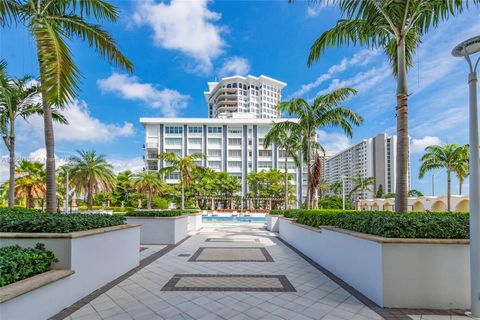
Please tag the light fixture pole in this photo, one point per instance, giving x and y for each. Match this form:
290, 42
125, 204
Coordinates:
343, 192
67, 193
466, 49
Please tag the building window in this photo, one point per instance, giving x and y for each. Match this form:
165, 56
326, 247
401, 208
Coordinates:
195, 141
215, 164
265, 153
173, 141
195, 129
214, 153
173, 129
235, 164
234, 153
214, 141
190, 151
234, 130
264, 165
172, 176
235, 141
214, 129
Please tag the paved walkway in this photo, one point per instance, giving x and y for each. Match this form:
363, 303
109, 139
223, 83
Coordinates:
141, 296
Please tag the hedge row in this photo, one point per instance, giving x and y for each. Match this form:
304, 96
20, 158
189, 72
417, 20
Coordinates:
17, 263
114, 209
62, 223
19, 210
293, 213
160, 213
393, 225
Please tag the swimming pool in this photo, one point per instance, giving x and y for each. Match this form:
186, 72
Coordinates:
233, 219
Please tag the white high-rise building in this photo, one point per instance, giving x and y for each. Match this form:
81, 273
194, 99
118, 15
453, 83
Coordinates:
373, 157
251, 95
233, 145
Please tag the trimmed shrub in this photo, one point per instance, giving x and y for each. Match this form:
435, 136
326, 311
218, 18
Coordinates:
159, 203
444, 225
19, 210
160, 213
293, 213
17, 263
62, 223
84, 208
334, 202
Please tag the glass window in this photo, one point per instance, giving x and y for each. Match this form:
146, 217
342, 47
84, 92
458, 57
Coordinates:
173, 141
173, 129
172, 176
234, 153
215, 141
265, 153
214, 153
235, 164
234, 130
214, 129
214, 164
195, 129
235, 141
195, 141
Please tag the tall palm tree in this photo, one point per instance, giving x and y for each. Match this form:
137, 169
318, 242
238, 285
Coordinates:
184, 165
149, 183
19, 98
462, 172
397, 27
91, 173
30, 182
336, 187
287, 137
361, 183
326, 111
52, 24
125, 180
450, 157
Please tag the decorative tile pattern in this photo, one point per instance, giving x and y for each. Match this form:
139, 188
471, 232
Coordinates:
226, 254
241, 240
222, 282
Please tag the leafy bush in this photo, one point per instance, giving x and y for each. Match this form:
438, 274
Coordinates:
160, 213
17, 263
437, 225
293, 213
334, 202
120, 209
159, 203
84, 208
19, 210
62, 223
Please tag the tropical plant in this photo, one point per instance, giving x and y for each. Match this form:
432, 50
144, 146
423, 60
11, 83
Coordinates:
52, 24
149, 183
184, 165
450, 157
286, 136
19, 98
361, 183
380, 191
325, 111
211, 184
125, 187
322, 188
30, 182
462, 170
91, 173
268, 186
336, 187
397, 27
414, 193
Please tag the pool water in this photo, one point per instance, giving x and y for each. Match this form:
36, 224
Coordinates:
234, 219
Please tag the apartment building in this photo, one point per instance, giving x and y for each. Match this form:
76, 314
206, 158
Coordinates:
373, 157
251, 95
233, 145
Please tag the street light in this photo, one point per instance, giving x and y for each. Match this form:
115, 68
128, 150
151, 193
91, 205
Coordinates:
343, 191
466, 49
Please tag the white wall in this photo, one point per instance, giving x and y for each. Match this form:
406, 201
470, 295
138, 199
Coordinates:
161, 230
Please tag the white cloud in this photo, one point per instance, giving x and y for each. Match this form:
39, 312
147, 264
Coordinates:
40, 155
314, 9
83, 127
129, 87
333, 142
186, 26
440, 122
361, 58
234, 66
419, 145
134, 164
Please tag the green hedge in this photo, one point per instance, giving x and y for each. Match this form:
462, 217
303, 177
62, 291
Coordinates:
160, 213
17, 263
62, 223
19, 210
444, 225
293, 213
114, 209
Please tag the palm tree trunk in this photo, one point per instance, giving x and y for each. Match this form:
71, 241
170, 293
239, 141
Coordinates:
401, 191
286, 179
89, 198
460, 182
11, 181
449, 192
149, 199
182, 200
30, 202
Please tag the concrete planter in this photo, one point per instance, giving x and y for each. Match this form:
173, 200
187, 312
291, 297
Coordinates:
161, 230
87, 260
195, 222
273, 222
394, 273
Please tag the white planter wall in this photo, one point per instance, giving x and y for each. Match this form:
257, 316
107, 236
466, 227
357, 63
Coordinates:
272, 222
96, 257
410, 273
161, 230
194, 222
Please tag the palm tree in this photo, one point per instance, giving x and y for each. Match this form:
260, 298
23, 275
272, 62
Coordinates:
325, 111
323, 188
361, 183
336, 187
149, 183
91, 173
397, 27
52, 24
19, 98
125, 181
287, 137
184, 165
450, 157
30, 182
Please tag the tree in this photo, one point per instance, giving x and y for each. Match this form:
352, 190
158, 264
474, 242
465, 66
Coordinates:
397, 27
414, 193
52, 24
361, 184
125, 187
322, 188
30, 182
149, 183
91, 173
286, 136
380, 192
269, 184
450, 157
19, 98
462, 170
334, 202
326, 110
336, 187
184, 165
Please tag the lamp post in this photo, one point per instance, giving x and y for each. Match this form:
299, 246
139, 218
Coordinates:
466, 49
343, 192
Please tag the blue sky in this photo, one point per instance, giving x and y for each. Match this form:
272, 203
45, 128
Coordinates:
178, 46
